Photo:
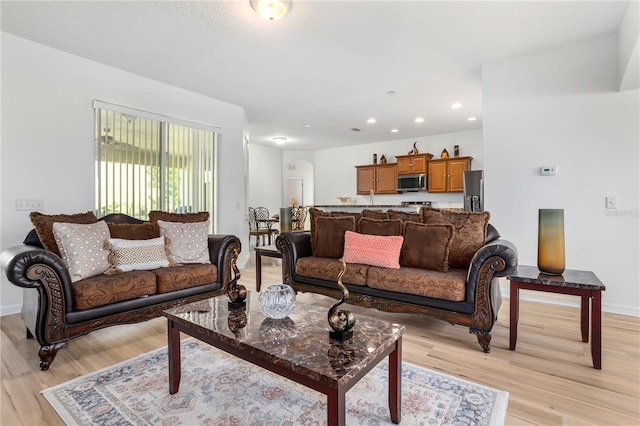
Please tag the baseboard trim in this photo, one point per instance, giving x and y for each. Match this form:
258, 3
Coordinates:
10, 310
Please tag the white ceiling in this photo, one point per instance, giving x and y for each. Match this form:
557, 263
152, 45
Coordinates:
328, 64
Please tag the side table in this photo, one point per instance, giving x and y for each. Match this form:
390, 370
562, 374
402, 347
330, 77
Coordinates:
267, 251
573, 282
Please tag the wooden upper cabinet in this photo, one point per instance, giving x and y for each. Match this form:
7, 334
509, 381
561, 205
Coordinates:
366, 179
412, 164
379, 177
386, 183
447, 175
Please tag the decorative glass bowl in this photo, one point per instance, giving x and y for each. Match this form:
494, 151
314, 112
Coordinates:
277, 300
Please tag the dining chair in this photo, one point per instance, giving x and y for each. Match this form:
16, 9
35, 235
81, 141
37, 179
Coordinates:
265, 221
254, 230
298, 216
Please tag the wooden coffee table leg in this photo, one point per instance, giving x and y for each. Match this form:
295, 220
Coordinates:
395, 383
174, 358
336, 408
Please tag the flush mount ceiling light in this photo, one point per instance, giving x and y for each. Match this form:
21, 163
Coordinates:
280, 140
471, 119
271, 10
419, 120
371, 120
394, 130
456, 105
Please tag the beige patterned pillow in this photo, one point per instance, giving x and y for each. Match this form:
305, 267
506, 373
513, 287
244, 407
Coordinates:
136, 255
186, 242
82, 248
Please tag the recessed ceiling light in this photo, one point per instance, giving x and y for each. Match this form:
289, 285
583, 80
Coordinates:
371, 120
307, 125
456, 105
394, 130
419, 120
471, 119
280, 140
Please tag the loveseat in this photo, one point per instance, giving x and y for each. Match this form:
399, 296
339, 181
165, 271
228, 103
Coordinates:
59, 303
445, 265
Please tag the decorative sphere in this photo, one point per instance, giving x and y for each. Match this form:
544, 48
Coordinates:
277, 300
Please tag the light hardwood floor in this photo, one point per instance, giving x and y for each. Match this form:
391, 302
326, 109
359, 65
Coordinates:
549, 377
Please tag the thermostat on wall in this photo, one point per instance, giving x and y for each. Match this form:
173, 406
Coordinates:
549, 170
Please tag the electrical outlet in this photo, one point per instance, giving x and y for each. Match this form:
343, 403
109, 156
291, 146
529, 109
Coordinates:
29, 204
611, 202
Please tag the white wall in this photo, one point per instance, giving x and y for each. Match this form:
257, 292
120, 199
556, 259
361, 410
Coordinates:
265, 177
47, 136
336, 174
561, 107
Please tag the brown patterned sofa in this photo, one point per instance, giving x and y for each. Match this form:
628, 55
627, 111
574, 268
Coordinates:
56, 307
446, 268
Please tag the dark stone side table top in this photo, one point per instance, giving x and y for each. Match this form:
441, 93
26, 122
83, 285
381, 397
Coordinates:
569, 278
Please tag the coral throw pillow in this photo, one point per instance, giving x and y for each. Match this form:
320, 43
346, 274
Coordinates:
374, 250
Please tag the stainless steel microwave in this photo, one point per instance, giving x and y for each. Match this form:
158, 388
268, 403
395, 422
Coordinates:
411, 183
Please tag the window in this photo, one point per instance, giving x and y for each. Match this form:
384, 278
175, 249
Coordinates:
150, 162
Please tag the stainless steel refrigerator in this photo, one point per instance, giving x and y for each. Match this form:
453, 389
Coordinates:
473, 184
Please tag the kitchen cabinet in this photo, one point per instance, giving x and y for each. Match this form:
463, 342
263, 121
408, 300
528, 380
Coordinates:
446, 175
412, 164
379, 177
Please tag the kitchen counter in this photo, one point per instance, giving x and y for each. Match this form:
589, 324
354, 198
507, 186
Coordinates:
360, 207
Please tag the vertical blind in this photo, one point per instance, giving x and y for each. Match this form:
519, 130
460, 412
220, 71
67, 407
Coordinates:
144, 164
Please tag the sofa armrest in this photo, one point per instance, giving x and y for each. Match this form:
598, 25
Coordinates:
495, 259
223, 250
35, 268
293, 245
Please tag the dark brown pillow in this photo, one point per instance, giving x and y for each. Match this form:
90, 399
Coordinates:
374, 214
380, 227
129, 231
470, 232
43, 223
404, 216
330, 235
313, 214
426, 246
156, 215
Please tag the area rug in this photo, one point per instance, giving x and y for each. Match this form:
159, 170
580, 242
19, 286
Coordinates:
219, 389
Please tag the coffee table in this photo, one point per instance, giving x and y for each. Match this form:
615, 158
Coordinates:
297, 347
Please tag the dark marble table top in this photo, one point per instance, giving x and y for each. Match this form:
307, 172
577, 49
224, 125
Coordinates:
569, 278
299, 342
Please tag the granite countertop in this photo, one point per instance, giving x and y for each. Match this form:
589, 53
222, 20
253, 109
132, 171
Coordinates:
365, 206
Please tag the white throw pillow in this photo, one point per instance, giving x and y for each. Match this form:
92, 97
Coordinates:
137, 255
187, 242
82, 248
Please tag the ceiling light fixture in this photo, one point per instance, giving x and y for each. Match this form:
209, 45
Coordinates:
394, 130
419, 120
371, 120
471, 119
456, 105
271, 10
280, 140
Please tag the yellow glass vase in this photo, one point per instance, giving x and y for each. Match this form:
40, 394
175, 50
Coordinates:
551, 241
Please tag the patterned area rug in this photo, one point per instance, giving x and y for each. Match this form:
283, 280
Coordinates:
218, 389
